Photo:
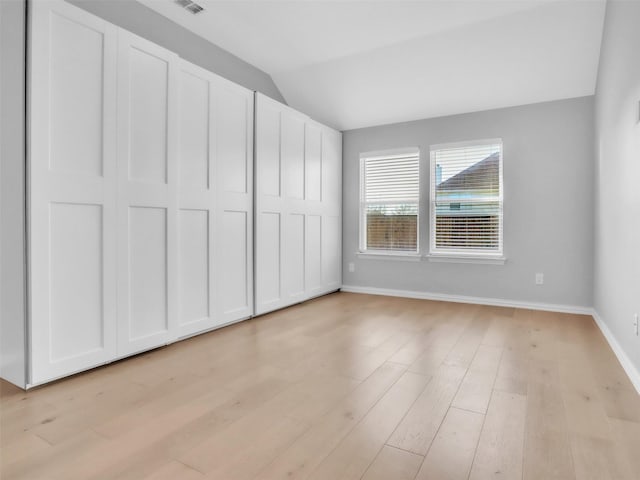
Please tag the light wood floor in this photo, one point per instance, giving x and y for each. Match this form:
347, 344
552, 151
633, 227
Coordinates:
346, 386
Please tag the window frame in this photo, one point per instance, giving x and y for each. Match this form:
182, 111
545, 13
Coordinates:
362, 217
471, 255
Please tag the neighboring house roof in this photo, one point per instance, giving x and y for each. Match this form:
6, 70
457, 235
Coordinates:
485, 172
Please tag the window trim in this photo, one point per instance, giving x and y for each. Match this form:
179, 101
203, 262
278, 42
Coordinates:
466, 255
362, 225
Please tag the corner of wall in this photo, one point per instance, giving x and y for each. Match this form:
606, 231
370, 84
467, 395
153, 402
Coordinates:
616, 129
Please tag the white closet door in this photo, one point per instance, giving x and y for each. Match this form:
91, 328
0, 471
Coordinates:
147, 196
196, 200
292, 150
233, 237
314, 209
72, 178
298, 206
280, 203
332, 209
268, 191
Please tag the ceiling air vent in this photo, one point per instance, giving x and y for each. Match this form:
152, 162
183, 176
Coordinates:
190, 6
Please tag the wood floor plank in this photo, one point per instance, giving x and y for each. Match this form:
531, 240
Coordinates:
589, 460
163, 400
419, 427
118, 450
229, 452
192, 433
547, 440
24, 446
173, 471
475, 391
595, 458
446, 336
501, 445
310, 449
585, 411
51, 464
465, 348
392, 463
513, 371
351, 458
452, 451
412, 350
620, 403
626, 438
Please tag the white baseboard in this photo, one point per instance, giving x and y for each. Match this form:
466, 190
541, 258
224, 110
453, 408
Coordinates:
632, 372
498, 302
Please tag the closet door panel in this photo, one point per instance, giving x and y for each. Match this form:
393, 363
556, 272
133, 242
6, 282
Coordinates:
148, 113
234, 290
292, 155
332, 170
72, 198
331, 251
196, 200
194, 144
269, 278
313, 254
268, 168
231, 141
147, 195
148, 271
332, 209
292, 151
269, 222
77, 75
313, 163
233, 127
294, 262
77, 277
194, 259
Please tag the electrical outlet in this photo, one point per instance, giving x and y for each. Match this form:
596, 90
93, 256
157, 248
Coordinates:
352, 267
636, 327
539, 278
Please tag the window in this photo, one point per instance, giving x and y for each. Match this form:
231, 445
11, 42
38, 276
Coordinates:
466, 198
389, 198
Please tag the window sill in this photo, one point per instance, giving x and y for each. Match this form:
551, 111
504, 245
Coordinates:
482, 259
402, 257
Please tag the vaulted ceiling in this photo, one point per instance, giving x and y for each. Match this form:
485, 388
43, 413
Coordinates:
357, 63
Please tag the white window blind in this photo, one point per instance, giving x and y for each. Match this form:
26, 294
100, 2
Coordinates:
466, 198
389, 197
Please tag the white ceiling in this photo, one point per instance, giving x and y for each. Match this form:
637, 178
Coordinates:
359, 63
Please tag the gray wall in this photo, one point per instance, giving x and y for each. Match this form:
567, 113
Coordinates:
548, 206
147, 23
12, 253
617, 171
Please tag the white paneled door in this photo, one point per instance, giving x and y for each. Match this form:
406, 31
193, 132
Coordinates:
147, 194
298, 207
269, 293
332, 208
292, 150
72, 185
196, 200
215, 153
233, 141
